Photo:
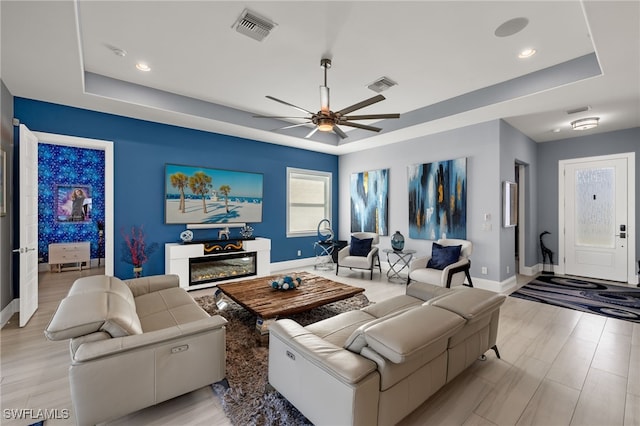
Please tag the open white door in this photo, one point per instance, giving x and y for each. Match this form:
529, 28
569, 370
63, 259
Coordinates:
596, 222
28, 250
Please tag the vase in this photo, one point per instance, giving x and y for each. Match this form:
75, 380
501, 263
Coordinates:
137, 271
397, 241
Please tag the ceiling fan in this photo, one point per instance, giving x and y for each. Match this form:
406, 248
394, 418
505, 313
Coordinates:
327, 120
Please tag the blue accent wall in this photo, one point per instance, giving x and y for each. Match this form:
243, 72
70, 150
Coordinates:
62, 169
141, 149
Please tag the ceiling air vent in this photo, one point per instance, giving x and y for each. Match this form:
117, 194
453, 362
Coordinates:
253, 25
577, 110
382, 84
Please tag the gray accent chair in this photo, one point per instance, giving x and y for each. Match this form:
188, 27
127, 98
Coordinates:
368, 262
452, 275
134, 344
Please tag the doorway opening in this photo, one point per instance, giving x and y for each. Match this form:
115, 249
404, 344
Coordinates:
104, 230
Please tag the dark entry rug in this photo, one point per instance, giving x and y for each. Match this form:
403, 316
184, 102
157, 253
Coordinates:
247, 400
614, 301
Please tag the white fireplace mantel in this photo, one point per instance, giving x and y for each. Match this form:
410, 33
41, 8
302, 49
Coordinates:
177, 260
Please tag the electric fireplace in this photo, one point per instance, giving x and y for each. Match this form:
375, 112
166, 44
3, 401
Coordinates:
221, 267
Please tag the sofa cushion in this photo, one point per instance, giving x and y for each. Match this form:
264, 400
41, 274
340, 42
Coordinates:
469, 303
393, 304
403, 335
424, 290
167, 308
86, 313
360, 247
443, 256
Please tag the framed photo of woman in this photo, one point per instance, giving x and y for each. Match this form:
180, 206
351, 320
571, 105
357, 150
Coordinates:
73, 203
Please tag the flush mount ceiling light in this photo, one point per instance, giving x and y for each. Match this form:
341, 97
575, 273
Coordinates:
526, 53
143, 67
585, 123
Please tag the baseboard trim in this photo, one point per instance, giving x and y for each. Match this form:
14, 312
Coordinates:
505, 286
6, 314
293, 264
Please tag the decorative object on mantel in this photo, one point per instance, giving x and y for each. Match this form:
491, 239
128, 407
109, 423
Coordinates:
397, 241
135, 251
246, 232
223, 234
286, 283
222, 245
186, 236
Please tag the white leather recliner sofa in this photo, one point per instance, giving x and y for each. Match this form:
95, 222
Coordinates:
376, 365
134, 344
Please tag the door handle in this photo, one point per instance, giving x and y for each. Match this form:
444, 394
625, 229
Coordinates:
22, 250
622, 235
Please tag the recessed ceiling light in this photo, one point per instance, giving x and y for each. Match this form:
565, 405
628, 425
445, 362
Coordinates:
527, 53
143, 67
585, 123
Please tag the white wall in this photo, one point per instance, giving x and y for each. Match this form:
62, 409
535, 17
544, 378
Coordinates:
480, 144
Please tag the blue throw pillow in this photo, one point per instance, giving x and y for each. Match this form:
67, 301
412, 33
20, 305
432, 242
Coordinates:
443, 256
360, 247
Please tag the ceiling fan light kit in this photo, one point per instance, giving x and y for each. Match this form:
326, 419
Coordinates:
326, 120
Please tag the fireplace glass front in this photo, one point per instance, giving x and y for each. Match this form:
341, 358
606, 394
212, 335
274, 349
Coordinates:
221, 267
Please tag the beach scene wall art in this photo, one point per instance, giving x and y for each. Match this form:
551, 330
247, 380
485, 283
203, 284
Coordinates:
199, 195
438, 200
369, 201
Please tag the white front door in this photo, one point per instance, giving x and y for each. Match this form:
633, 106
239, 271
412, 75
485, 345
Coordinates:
28, 224
596, 222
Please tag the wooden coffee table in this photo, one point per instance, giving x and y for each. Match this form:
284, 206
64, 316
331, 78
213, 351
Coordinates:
256, 296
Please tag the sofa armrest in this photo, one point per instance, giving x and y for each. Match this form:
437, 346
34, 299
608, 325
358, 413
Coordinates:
112, 347
144, 285
418, 263
344, 252
373, 253
345, 365
455, 268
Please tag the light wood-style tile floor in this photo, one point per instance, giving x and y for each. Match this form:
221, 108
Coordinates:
558, 367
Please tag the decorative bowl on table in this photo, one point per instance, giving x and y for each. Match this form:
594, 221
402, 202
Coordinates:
287, 282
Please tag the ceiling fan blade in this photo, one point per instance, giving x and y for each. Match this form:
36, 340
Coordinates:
338, 131
361, 105
370, 117
292, 126
360, 126
291, 105
311, 133
279, 116
324, 99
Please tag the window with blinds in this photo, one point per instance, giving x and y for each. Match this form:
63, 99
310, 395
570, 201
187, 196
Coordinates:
308, 201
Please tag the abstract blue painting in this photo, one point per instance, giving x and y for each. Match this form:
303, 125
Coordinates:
369, 201
438, 200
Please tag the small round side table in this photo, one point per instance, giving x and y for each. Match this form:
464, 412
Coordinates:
397, 265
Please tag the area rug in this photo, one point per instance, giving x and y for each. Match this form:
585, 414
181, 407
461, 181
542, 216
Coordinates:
614, 301
246, 400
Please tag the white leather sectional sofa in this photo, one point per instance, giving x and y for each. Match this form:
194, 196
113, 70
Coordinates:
376, 365
134, 344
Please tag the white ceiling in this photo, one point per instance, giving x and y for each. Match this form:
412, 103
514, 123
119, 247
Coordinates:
451, 69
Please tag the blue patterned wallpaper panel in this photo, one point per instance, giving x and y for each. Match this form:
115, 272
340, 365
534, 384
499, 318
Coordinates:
70, 196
